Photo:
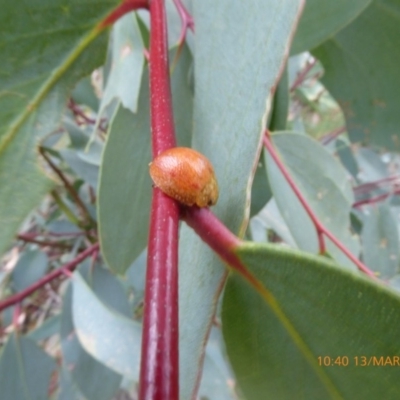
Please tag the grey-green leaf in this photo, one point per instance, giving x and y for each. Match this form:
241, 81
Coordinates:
25, 370
31, 266
239, 55
109, 337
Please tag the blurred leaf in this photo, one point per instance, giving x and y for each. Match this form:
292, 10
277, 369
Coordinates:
25, 370
110, 291
236, 70
61, 227
272, 218
371, 166
380, 239
90, 377
45, 50
125, 75
314, 310
77, 135
325, 185
361, 71
347, 158
50, 327
84, 94
88, 172
67, 388
109, 337
321, 19
280, 108
31, 266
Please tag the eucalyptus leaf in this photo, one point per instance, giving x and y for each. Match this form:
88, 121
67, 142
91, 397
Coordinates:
109, 337
328, 332
239, 56
25, 370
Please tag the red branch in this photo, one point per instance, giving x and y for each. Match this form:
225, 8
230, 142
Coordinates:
18, 297
320, 228
125, 7
159, 374
213, 232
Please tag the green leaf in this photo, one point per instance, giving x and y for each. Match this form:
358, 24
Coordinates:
322, 19
313, 310
125, 186
237, 66
31, 266
325, 185
109, 337
380, 240
361, 71
25, 370
44, 50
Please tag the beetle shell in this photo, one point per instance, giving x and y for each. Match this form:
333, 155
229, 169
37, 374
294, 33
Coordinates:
185, 175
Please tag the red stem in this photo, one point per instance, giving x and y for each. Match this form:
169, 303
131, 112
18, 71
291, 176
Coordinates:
30, 239
18, 297
320, 228
125, 7
159, 374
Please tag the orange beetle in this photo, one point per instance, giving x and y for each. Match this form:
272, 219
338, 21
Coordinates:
185, 175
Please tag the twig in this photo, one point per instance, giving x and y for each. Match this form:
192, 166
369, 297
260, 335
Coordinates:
302, 75
81, 206
18, 297
30, 239
326, 139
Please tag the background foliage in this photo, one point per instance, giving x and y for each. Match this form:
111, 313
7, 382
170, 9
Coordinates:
81, 100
